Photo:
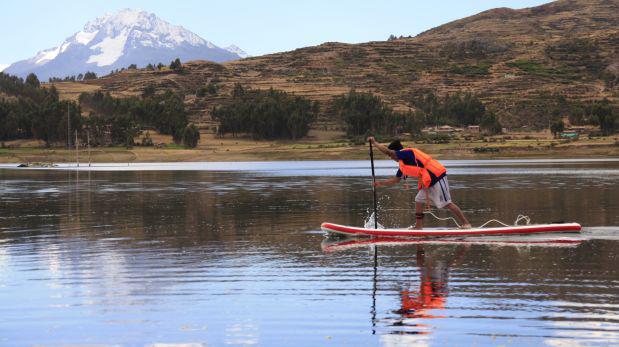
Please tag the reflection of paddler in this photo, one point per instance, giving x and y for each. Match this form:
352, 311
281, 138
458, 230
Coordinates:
433, 290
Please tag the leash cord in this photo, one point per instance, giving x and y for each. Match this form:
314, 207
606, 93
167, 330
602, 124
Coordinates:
520, 217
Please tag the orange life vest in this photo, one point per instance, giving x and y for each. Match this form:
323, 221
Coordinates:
422, 173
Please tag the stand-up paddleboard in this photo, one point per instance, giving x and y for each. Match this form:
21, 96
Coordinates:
429, 232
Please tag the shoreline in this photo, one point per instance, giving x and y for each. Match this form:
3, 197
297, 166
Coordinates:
281, 151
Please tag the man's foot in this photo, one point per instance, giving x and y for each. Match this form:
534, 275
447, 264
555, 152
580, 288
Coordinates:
466, 226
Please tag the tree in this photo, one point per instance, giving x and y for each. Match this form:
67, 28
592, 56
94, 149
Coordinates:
149, 91
34, 112
211, 88
456, 109
123, 129
165, 112
363, 112
191, 136
132, 67
33, 81
176, 65
392, 37
490, 124
150, 67
601, 112
90, 76
160, 66
147, 140
557, 127
265, 114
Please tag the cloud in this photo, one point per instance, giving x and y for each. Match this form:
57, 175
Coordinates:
3, 66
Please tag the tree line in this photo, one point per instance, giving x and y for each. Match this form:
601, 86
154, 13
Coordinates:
364, 113
266, 114
122, 118
275, 114
458, 109
28, 110
175, 65
89, 75
595, 112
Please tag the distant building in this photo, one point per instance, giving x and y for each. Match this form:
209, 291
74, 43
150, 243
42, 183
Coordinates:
473, 128
578, 129
569, 134
446, 129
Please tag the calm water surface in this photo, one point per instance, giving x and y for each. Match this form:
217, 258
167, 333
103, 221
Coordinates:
231, 254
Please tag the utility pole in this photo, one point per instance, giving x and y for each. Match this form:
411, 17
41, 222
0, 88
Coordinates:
68, 127
77, 150
88, 140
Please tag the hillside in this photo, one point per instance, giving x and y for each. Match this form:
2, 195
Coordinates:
517, 61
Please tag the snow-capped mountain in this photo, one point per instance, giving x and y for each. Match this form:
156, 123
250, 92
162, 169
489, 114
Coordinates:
118, 40
3, 66
236, 50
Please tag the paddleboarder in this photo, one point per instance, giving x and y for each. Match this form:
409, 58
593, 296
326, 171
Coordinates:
432, 180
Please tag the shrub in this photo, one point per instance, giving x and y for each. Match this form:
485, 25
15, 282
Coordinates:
191, 136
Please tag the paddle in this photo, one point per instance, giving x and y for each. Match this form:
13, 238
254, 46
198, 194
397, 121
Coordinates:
374, 278
374, 187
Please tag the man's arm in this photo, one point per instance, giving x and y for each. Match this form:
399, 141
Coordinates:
383, 148
388, 182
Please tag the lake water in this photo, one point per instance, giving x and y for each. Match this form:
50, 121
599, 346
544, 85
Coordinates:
232, 254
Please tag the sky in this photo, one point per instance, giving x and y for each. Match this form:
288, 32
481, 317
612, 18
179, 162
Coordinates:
256, 26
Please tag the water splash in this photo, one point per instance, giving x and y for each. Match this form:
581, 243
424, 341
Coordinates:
369, 223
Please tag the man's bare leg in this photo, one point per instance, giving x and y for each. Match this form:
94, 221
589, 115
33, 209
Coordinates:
464, 223
418, 213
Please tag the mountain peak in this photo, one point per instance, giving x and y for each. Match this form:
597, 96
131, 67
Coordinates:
124, 17
116, 40
142, 26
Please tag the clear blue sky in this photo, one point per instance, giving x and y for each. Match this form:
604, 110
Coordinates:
257, 26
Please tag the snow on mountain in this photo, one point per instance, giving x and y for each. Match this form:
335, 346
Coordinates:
236, 50
118, 40
110, 49
3, 66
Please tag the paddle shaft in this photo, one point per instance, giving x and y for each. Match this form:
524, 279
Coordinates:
374, 187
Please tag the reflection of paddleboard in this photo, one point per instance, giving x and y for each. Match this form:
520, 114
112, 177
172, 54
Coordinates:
334, 245
509, 230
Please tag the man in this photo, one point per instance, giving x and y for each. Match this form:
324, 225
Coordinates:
433, 186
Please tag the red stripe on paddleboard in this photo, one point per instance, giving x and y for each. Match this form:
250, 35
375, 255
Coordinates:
525, 229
